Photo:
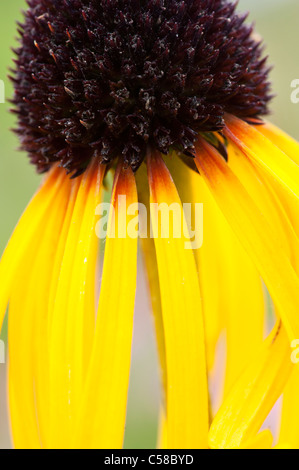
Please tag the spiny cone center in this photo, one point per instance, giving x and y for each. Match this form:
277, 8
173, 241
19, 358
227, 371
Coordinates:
105, 79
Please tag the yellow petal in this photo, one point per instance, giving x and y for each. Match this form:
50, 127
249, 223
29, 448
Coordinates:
287, 225
45, 263
241, 304
80, 312
286, 200
24, 314
263, 440
162, 435
208, 256
60, 390
291, 148
286, 143
289, 426
269, 196
187, 398
101, 419
251, 177
23, 420
243, 308
34, 216
254, 394
264, 152
236, 304
151, 268
283, 446
254, 232
24, 435
150, 261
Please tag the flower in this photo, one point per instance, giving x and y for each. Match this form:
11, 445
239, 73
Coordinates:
106, 88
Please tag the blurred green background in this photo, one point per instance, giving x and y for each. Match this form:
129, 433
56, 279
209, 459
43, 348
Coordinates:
277, 22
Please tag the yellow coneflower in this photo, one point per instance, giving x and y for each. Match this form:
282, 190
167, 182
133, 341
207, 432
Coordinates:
167, 97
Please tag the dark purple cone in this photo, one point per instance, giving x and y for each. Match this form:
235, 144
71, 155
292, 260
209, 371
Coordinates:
105, 79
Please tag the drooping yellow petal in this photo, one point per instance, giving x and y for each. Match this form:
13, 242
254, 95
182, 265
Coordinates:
250, 174
81, 311
238, 286
151, 268
264, 152
254, 394
72, 305
59, 253
285, 198
251, 178
222, 263
208, 256
263, 440
46, 258
288, 209
283, 446
149, 254
34, 216
285, 142
162, 434
261, 187
18, 432
243, 308
50, 257
24, 425
255, 233
289, 426
24, 314
102, 414
59, 386
210, 271
187, 398
291, 208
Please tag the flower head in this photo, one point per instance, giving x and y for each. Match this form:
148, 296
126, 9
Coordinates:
109, 79
108, 88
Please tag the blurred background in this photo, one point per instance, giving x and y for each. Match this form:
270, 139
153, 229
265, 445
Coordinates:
277, 22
